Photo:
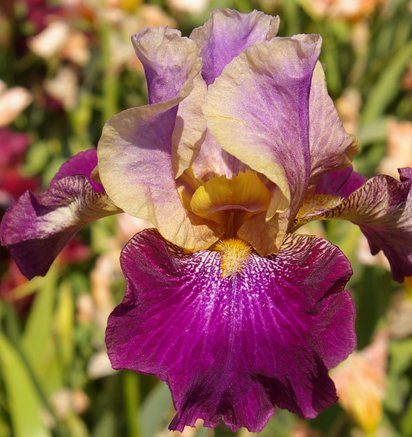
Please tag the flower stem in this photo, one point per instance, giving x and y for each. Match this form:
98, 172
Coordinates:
131, 392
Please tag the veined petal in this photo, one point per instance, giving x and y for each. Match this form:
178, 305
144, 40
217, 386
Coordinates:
169, 61
37, 227
258, 110
331, 148
212, 160
382, 207
135, 150
190, 128
340, 182
226, 34
81, 164
232, 347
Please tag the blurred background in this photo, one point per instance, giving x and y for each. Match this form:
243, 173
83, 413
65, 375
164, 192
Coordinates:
65, 67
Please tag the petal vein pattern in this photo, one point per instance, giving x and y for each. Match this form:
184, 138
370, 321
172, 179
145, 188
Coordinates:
37, 227
382, 207
136, 152
269, 132
233, 348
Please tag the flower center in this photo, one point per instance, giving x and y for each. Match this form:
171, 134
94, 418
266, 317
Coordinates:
234, 253
230, 202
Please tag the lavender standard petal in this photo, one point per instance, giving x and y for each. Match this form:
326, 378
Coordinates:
135, 151
231, 348
226, 34
331, 147
269, 132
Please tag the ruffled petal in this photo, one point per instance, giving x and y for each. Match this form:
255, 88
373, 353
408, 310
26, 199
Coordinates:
212, 160
135, 150
81, 164
226, 34
37, 227
170, 63
340, 182
382, 207
258, 110
232, 347
331, 148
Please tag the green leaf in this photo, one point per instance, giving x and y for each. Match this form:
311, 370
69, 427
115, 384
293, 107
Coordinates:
374, 131
154, 414
64, 324
406, 422
25, 405
401, 356
37, 341
387, 86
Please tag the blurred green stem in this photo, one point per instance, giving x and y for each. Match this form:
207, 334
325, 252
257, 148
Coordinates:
290, 10
110, 77
131, 391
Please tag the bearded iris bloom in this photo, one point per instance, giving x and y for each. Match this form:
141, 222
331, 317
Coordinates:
238, 146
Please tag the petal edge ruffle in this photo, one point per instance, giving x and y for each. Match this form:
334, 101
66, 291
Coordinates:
231, 347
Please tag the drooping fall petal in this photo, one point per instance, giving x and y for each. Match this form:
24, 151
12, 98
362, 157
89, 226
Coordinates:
37, 227
382, 207
340, 182
232, 347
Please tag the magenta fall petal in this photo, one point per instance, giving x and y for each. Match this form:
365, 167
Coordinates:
231, 348
37, 227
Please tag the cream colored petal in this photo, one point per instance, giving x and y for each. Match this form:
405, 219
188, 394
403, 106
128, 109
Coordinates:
190, 128
331, 148
51, 40
136, 170
258, 110
135, 151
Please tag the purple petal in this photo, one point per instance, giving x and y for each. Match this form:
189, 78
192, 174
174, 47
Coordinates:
81, 164
135, 151
212, 160
330, 146
382, 207
258, 110
37, 227
171, 64
168, 61
233, 348
226, 34
340, 182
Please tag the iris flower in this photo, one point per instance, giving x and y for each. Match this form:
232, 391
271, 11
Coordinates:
238, 146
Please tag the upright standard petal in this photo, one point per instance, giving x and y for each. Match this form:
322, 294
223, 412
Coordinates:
331, 148
382, 207
264, 120
37, 227
169, 61
233, 346
228, 33
135, 150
